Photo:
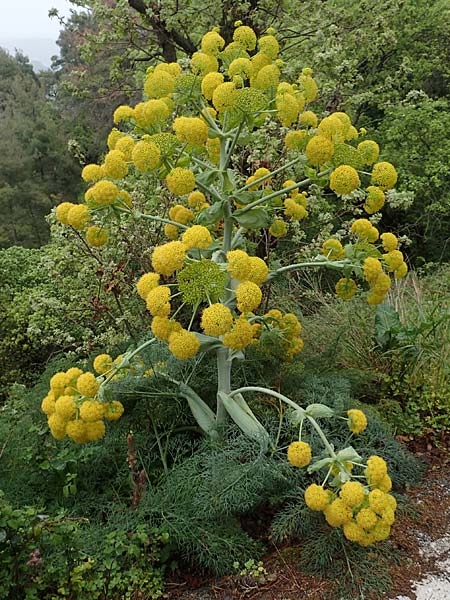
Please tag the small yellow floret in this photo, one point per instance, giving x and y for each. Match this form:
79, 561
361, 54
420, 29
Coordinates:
102, 363
299, 454
87, 384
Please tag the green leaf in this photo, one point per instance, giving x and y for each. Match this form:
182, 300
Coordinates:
201, 411
387, 324
296, 416
207, 177
211, 215
255, 218
319, 464
348, 454
317, 411
246, 197
207, 342
242, 415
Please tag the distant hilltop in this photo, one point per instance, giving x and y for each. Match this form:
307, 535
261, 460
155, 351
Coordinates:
38, 50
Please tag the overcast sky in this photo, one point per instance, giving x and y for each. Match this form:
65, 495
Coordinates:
29, 18
26, 26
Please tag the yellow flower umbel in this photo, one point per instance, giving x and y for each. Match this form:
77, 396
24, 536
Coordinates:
96, 236
346, 288
319, 150
333, 249
384, 175
239, 264
217, 320
299, 454
180, 181
191, 130
357, 421
248, 296
316, 497
168, 258
197, 236
344, 180
147, 282
352, 493
184, 344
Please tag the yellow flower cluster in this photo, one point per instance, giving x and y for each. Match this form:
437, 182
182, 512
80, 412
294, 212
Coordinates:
217, 320
365, 513
145, 156
288, 328
72, 408
248, 296
346, 288
333, 249
180, 181
344, 180
299, 454
191, 130
168, 258
241, 335
357, 421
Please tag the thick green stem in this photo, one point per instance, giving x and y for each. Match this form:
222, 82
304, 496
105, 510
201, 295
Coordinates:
263, 390
331, 264
322, 436
223, 383
162, 220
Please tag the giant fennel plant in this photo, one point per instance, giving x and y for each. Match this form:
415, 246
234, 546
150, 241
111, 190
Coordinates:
205, 291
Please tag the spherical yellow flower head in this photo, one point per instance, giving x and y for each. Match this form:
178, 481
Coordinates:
102, 363
299, 454
346, 288
333, 249
184, 344
378, 501
202, 63
239, 265
91, 410
57, 426
278, 228
290, 325
147, 282
259, 61
352, 493
181, 214
357, 421
113, 410
374, 200
269, 46
385, 485
332, 128
113, 137
242, 67
319, 150
216, 320
384, 175
171, 231
316, 498
389, 241
288, 107
62, 211
295, 140
353, 532
168, 258
95, 431
65, 407
308, 119
258, 270
376, 469
125, 198
245, 37
146, 156
379, 288
172, 68
191, 130
370, 151
224, 96
337, 513
159, 84
151, 113
248, 296
76, 430
401, 271
162, 328
96, 236
372, 269
72, 375
196, 199
308, 85
78, 216
115, 165
267, 78
58, 382
104, 193
344, 180
366, 518
92, 173
48, 404
125, 145
393, 260
123, 113
240, 336
158, 301
362, 228
197, 236
87, 385
180, 181
212, 43
209, 83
